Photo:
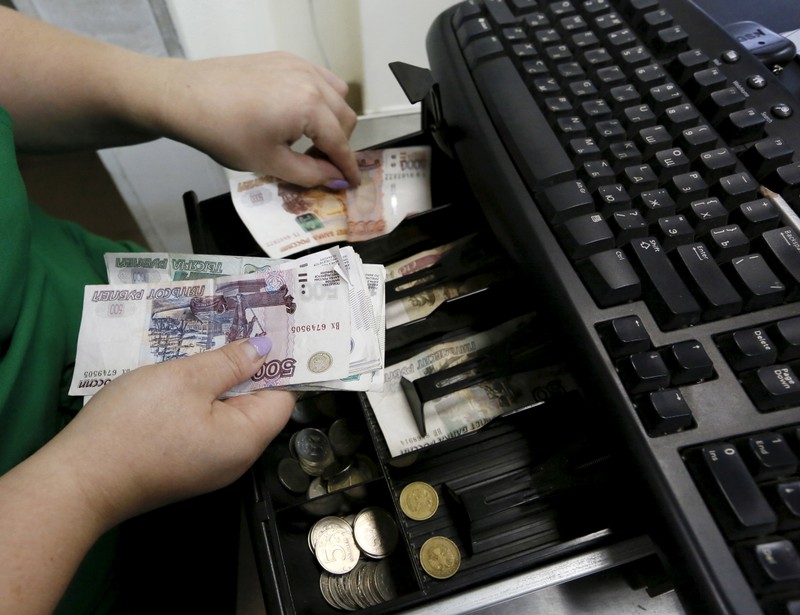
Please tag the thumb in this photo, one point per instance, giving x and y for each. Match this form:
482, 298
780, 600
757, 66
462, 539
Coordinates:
232, 364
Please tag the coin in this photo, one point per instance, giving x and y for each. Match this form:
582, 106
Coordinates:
335, 547
440, 557
313, 450
375, 532
292, 476
345, 440
419, 500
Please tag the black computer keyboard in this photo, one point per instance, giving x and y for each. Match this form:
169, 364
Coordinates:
645, 169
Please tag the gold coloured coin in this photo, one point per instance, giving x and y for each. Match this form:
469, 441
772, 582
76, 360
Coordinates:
419, 501
440, 557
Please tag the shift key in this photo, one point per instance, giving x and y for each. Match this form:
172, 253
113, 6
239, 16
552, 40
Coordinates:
668, 298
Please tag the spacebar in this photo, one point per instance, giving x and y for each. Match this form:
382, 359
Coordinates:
522, 126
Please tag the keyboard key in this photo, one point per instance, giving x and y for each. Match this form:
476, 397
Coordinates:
628, 225
756, 282
624, 336
664, 412
773, 387
688, 362
786, 335
771, 566
643, 372
727, 242
781, 248
707, 281
768, 456
584, 235
756, 217
748, 348
666, 294
742, 509
785, 499
610, 278
705, 214
766, 155
566, 200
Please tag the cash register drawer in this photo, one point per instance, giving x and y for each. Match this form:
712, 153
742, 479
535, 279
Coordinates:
333, 530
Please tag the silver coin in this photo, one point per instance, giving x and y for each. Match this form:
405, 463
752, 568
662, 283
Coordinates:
292, 476
325, 590
313, 446
384, 581
375, 532
344, 438
335, 547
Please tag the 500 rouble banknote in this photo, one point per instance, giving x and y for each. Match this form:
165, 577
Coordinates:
303, 306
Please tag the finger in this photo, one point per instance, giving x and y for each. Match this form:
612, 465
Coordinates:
267, 411
336, 82
330, 138
219, 370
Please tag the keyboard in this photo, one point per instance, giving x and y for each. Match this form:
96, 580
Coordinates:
644, 168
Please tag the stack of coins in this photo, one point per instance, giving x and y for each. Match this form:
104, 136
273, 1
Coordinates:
352, 551
368, 584
328, 461
313, 450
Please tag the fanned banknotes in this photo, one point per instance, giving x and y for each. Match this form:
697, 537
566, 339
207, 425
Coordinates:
316, 310
285, 219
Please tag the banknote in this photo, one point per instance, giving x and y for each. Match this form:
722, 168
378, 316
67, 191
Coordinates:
468, 409
303, 305
135, 267
285, 219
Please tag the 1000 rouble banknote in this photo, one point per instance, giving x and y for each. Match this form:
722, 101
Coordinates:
285, 219
136, 267
302, 306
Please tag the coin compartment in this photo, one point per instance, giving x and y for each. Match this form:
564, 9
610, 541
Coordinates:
299, 566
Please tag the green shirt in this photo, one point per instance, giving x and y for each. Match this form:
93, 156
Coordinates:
44, 265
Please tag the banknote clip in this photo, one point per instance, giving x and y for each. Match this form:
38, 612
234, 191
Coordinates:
418, 232
419, 87
524, 351
469, 256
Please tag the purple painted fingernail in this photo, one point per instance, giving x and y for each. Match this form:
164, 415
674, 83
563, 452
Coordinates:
337, 184
262, 344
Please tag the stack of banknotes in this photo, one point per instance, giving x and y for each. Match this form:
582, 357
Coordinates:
324, 313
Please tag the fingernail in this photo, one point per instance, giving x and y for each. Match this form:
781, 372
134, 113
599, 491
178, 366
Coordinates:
261, 344
337, 184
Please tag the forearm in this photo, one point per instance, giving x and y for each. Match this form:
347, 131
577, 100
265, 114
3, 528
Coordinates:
48, 524
65, 91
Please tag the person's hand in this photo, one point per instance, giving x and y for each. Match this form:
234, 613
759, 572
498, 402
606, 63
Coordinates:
247, 111
159, 434
155, 435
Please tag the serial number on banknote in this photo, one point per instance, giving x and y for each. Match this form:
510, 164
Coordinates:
314, 327
99, 373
